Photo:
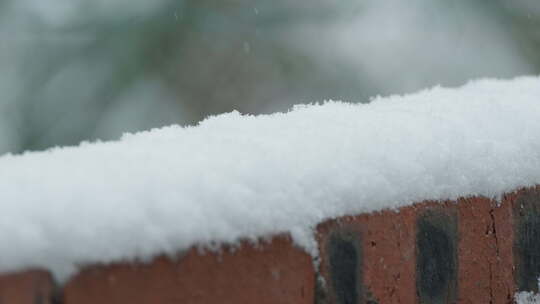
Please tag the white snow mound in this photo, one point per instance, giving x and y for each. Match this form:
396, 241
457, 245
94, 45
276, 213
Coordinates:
237, 176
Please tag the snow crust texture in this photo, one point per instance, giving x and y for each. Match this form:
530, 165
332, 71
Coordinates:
244, 177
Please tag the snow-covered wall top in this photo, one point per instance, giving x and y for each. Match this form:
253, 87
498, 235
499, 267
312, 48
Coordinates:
236, 176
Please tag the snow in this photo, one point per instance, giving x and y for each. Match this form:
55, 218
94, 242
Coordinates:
238, 176
527, 297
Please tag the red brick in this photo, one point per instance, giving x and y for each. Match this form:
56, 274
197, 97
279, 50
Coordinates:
386, 254
389, 271
436, 225
29, 287
275, 272
485, 251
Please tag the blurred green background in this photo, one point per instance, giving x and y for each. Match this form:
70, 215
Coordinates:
74, 70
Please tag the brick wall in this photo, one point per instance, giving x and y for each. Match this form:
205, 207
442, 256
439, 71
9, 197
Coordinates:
473, 250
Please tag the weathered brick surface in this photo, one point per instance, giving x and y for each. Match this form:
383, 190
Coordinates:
384, 243
526, 245
275, 272
28, 287
436, 252
341, 274
485, 251
389, 264
476, 253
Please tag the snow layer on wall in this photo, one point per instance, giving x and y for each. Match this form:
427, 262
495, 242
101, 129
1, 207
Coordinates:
236, 176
